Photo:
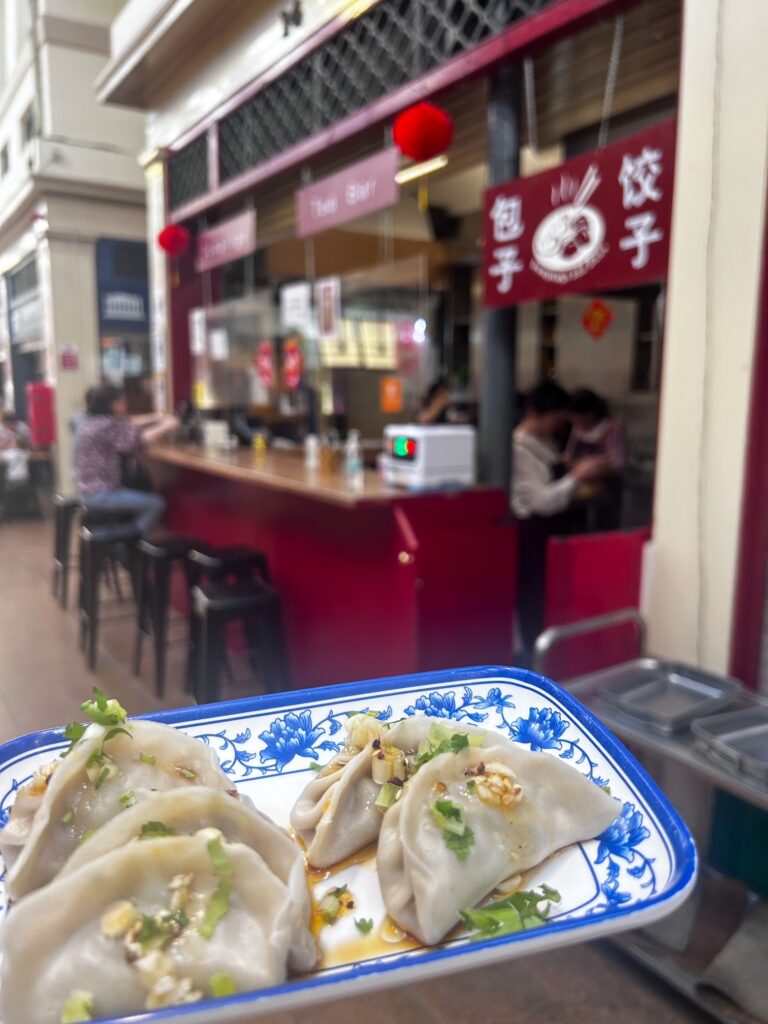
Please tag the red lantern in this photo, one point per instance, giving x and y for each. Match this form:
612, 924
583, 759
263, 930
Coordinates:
174, 239
423, 131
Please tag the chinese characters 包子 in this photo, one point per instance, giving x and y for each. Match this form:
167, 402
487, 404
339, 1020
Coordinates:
638, 178
507, 216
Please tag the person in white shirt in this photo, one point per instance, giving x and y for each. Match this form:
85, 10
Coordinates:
540, 498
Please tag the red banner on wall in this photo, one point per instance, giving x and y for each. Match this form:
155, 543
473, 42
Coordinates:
599, 221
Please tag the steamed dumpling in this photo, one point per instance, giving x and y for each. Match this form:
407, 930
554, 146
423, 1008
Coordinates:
96, 781
336, 814
468, 821
156, 923
189, 811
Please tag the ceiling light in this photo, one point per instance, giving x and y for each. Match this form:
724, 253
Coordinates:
419, 170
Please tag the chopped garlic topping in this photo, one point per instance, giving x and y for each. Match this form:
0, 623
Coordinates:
499, 789
362, 729
118, 919
210, 833
180, 886
154, 966
171, 991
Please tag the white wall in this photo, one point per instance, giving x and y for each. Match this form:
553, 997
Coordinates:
73, 111
67, 265
603, 364
714, 275
95, 12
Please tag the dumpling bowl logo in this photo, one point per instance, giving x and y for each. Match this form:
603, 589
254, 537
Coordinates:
570, 240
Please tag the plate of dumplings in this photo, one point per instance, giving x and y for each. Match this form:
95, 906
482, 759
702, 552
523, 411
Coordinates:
217, 862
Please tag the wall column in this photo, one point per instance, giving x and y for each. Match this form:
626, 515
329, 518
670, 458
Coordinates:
714, 275
497, 405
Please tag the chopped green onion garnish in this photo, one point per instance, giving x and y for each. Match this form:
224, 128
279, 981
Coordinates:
147, 758
387, 795
78, 1007
448, 815
155, 830
221, 863
222, 985
331, 905
102, 710
86, 835
67, 816
73, 732
364, 924
330, 908
103, 776
471, 785
185, 773
127, 799
315, 767
96, 757
476, 739
218, 907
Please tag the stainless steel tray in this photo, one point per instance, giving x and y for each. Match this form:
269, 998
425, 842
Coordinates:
665, 695
737, 738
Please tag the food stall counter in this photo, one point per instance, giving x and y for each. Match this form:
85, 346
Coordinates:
373, 581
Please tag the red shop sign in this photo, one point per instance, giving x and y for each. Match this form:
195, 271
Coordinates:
265, 364
359, 189
230, 240
597, 222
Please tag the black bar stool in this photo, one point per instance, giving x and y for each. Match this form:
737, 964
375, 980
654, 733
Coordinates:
236, 563
156, 560
65, 511
104, 537
257, 606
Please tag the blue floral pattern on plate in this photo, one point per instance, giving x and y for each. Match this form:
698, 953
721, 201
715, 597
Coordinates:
644, 862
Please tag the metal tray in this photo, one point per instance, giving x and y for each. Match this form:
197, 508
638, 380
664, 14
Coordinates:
664, 695
738, 738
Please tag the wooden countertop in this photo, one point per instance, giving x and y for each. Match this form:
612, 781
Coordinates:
280, 470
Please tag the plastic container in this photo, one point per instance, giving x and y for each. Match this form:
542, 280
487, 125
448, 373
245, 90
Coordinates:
311, 451
353, 458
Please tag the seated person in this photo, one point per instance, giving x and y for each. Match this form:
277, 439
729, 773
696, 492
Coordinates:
595, 433
435, 403
103, 439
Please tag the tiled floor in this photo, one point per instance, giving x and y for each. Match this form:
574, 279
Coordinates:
43, 681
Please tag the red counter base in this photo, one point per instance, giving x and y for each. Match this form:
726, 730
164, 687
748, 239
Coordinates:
377, 589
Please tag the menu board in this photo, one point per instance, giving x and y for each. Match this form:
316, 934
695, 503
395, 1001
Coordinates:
344, 350
378, 340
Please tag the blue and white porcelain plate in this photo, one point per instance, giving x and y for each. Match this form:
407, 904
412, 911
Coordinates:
638, 871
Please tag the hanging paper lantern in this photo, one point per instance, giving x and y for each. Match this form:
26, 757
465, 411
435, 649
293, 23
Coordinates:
423, 131
174, 239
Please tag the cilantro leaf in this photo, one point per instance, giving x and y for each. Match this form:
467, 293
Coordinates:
460, 843
73, 732
364, 924
147, 758
458, 742
520, 911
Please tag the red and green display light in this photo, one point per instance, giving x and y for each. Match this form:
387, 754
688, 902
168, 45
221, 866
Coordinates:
404, 448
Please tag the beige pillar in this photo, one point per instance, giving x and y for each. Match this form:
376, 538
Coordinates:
714, 276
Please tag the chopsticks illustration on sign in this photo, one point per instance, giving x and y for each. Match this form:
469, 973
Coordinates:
587, 188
